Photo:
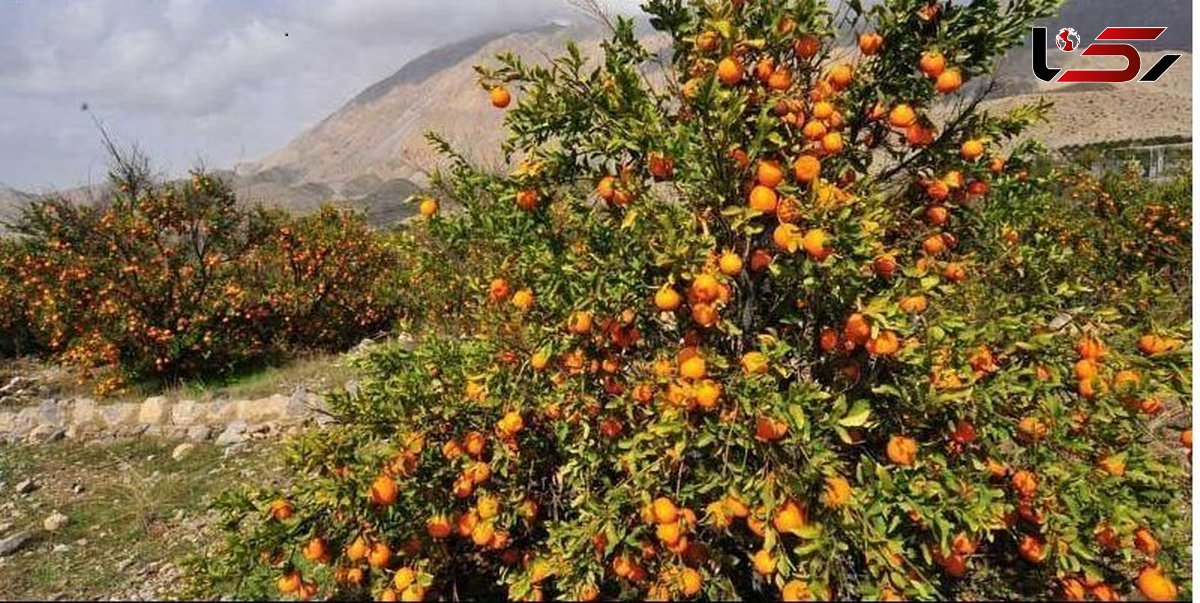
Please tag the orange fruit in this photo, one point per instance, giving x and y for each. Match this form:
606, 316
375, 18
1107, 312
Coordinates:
705, 287
704, 314
949, 81
500, 97
937, 214
763, 199
729, 71
1089, 347
787, 237
663, 510
884, 344
806, 168
1185, 438
404, 578
606, 188
971, 149
1112, 465
832, 143
1025, 483
383, 490
754, 363
932, 63
841, 75
708, 41
822, 110
807, 46
768, 429
814, 130
667, 299
281, 510
902, 116
954, 272
357, 550
764, 69
1073, 590
1032, 549
692, 368
790, 518
662, 166
828, 340
816, 244
885, 265
857, 329
795, 590
498, 290
781, 80
914, 304
837, 492
933, 244
730, 264
527, 199
764, 562
707, 393
289, 582
1145, 542
1155, 585
380, 555
768, 174
438, 526
869, 42
429, 207
902, 450
316, 550
580, 323
523, 300
690, 582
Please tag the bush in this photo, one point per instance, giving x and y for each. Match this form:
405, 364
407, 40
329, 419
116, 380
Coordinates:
770, 332
165, 281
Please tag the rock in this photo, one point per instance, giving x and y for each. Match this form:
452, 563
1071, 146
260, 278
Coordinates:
182, 450
83, 412
187, 412
6, 526
262, 410
45, 433
124, 564
235, 433
199, 433
77, 489
117, 415
27, 486
10, 545
55, 522
60, 548
155, 410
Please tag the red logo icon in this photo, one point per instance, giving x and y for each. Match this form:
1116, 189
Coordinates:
1068, 40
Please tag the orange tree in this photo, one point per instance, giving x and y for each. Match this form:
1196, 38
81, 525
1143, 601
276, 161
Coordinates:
773, 319
165, 281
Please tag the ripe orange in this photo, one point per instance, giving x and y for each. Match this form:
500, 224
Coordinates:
795, 590
781, 80
729, 71
837, 492
707, 394
902, 116
662, 166
380, 555
429, 207
580, 323
822, 110
937, 190
787, 237
289, 582
764, 69
884, 344
500, 97
828, 340
806, 168
832, 143
498, 290
937, 214
816, 244
1145, 542
667, 299
438, 526
693, 368
1155, 585
768, 429
1032, 548
357, 550
1025, 483
705, 287
383, 491
707, 41
790, 518
1185, 438
933, 244
606, 188
814, 130
730, 264
914, 304
704, 314
885, 265
690, 582
1113, 465
754, 363
971, 149
760, 259
902, 450
857, 330
404, 578
768, 173
281, 510
949, 81
663, 510
932, 63
316, 550
523, 300
764, 562
954, 272
807, 46
527, 199
841, 76
763, 199
869, 42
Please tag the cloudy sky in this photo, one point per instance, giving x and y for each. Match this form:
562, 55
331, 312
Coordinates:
217, 81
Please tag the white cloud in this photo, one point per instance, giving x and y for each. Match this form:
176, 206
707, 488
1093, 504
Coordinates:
212, 79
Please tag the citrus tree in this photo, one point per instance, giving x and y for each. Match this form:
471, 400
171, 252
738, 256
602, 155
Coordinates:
773, 317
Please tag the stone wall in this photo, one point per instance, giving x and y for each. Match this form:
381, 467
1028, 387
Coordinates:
226, 421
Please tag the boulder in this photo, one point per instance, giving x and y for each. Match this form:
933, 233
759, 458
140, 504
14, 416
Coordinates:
55, 522
199, 432
121, 414
262, 410
83, 412
182, 450
235, 433
155, 410
10, 544
185, 413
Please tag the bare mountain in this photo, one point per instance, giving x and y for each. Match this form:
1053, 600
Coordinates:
372, 151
